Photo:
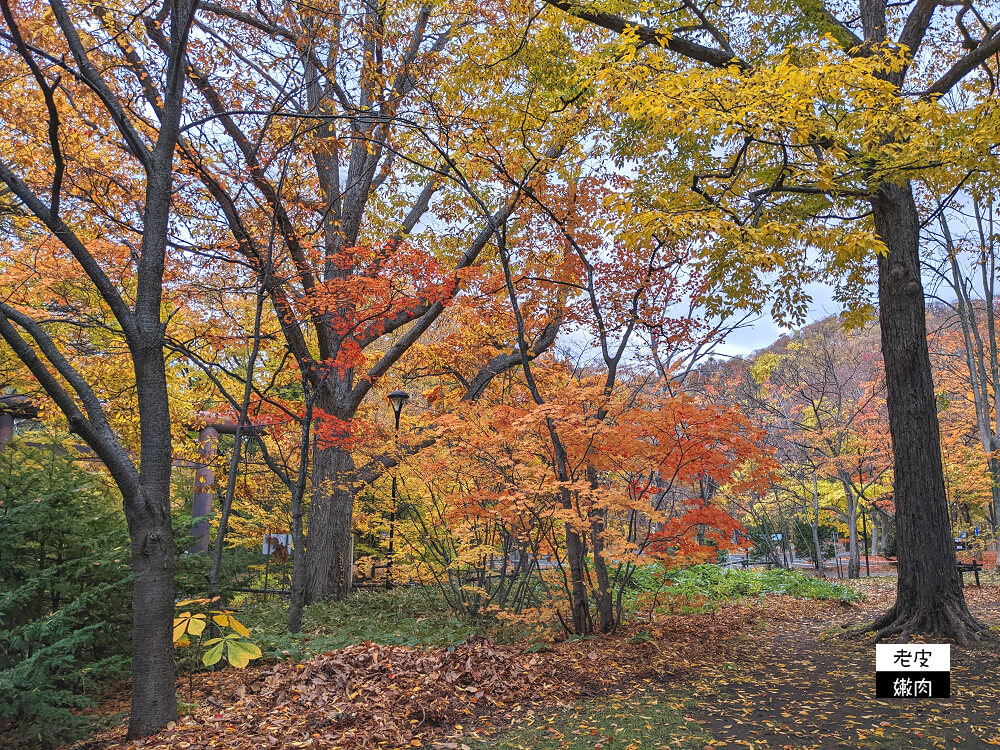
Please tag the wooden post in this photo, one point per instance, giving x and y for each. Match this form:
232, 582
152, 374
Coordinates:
6, 429
204, 488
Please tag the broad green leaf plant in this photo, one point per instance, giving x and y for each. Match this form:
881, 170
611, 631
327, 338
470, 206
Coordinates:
232, 642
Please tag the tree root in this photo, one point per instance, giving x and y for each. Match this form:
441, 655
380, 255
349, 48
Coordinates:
950, 621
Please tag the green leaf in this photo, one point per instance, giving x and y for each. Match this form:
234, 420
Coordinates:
213, 655
239, 653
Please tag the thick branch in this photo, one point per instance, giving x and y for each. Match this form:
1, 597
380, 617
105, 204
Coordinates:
717, 58
107, 290
48, 94
989, 47
98, 437
499, 364
424, 322
503, 362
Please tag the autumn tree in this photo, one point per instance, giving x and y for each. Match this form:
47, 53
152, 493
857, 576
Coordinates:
487, 519
625, 285
352, 154
964, 258
821, 398
82, 163
819, 116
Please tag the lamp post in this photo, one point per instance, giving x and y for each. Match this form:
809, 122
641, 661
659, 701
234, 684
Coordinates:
397, 399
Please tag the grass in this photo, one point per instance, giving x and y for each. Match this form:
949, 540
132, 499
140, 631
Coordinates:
402, 616
701, 588
726, 584
644, 719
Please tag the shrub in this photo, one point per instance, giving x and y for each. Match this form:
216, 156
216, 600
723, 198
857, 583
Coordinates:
405, 616
64, 606
716, 584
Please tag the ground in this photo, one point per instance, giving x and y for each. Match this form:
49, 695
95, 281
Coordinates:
798, 680
764, 672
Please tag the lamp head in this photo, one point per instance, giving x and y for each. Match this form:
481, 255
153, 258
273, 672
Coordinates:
397, 399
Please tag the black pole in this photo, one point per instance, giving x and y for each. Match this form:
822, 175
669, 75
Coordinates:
392, 513
864, 532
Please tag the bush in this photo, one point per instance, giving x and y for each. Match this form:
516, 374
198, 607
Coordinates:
403, 616
65, 582
715, 584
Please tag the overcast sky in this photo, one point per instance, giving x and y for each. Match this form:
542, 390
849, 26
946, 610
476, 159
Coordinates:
765, 331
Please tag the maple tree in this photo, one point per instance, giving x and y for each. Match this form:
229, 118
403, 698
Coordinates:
488, 521
599, 465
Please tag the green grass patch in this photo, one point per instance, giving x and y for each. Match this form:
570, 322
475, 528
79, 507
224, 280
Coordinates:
645, 719
727, 584
701, 588
402, 616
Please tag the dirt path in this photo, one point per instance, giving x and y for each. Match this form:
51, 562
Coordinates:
803, 684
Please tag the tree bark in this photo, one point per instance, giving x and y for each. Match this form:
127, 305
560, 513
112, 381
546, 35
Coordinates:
330, 525
814, 524
854, 559
606, 621
994, 467
873, 550
153, 699
929, 596
575, 552
297, 601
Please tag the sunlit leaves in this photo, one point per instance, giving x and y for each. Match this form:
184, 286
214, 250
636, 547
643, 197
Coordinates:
231, 643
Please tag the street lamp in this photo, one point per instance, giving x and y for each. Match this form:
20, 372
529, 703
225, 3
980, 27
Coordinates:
397, 399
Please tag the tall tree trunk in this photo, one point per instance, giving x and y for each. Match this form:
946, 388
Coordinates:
873, 550
605, 602
153, 699
576, 557
994, 467
854, 552
328, 561
814, 524
297, 601
854, 559
929, 596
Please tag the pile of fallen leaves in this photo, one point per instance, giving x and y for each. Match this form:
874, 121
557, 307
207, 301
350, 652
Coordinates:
366, 695
376, 695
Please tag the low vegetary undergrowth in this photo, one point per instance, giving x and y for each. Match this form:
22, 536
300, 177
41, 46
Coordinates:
703, 587
420, 617
400, 616
642, 719
720, 584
